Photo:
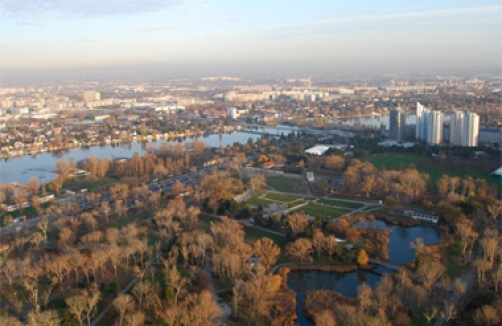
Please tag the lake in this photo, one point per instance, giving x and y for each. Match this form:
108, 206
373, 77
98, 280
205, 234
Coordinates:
400, 253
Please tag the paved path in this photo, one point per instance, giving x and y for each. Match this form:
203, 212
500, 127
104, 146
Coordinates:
226, 311
123, 291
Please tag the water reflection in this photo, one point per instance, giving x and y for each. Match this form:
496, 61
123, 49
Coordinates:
400, 252
15, 169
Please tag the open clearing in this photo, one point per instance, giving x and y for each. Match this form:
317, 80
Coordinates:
322, 212
284, 184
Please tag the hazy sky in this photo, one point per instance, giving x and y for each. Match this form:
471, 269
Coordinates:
88, 36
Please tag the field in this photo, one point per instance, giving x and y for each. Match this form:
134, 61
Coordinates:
339, 203
284, 184
436, 167
396, 161
257, 200
267, 198
436, 171
322, 212
281, 197
90, 184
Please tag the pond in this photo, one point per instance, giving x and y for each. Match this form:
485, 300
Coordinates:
400, 253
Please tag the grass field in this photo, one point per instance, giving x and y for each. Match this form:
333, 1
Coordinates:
256, 200
339, 203
286, 184
436, 168
395, 161
265, 199
296, 203
281, 197
91, 185
436, 171
322, 212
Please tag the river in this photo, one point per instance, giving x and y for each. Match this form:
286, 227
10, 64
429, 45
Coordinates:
400, 252
21, 169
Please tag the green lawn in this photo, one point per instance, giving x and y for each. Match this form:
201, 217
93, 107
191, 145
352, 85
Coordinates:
395, 161
286, 184
90, 185
280, 197
436, 168
451, 169
256, 200
339, 203
253, 234
296, 203
322, 212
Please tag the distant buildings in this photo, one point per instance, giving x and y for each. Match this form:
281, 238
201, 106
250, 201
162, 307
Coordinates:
464, 129
420, 122
232, 113
429, 125
397, 124
91, 96
434, 127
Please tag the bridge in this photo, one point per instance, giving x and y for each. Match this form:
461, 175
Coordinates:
381, 263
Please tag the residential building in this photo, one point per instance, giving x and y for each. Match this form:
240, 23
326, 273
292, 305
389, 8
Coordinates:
464, 129
420, 132
91, 96
434, 127
397, 124
470, 134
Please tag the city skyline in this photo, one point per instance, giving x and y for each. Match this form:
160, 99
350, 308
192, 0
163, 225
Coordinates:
111, 38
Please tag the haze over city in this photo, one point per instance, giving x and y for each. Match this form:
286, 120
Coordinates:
231, 162
139, 39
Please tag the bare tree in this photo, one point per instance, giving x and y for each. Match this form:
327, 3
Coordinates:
43, 226
431, 313
136, 318
449, 311
176, 281
123, 303
77, 306
91, 300
257, 297
487, 315
46, 318
143, 291
33, 185
494, 210
325, 318
267, 250
300, 250
297, 222
258, 182
9, 321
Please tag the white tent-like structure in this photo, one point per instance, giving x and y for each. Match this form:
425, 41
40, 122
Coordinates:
317, 150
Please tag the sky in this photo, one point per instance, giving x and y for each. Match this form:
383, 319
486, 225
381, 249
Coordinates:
138, 38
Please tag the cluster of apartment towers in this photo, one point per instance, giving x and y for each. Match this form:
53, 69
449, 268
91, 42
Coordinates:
464, 126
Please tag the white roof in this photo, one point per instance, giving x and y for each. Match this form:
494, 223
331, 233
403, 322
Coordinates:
317, 150
497, 171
